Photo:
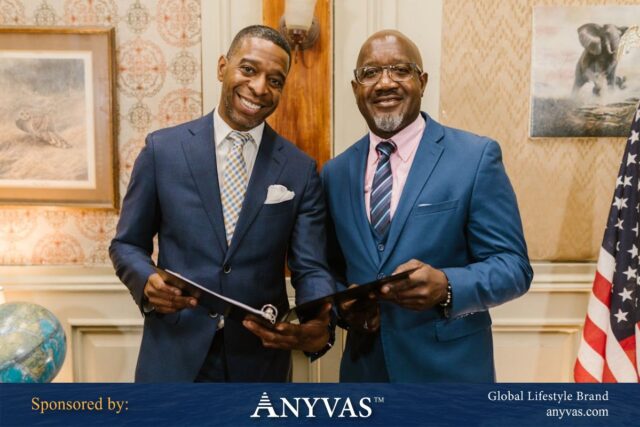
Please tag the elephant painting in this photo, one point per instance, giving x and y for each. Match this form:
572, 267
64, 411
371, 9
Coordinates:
598, 60
589, 85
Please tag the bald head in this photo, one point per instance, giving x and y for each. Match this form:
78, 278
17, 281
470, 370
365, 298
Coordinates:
384, 37
390, 101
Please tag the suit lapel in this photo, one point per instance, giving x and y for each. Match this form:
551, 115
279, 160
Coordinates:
200, 153
425, 160
268, 166
357, 170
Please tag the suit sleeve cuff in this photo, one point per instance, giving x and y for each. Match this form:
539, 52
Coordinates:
463, 295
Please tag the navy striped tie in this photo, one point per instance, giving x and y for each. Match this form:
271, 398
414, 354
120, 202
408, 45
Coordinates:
380, 202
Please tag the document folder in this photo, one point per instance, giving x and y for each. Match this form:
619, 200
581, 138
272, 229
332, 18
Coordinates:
268, 315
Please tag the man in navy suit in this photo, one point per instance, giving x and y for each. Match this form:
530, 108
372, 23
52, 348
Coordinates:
230, 201
415, 194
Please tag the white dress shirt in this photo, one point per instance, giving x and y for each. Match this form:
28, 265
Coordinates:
250, 151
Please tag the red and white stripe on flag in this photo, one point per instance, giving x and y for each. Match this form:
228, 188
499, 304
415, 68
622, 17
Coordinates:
611, 336
602, 358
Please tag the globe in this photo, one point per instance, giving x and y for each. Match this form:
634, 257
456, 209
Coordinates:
32, 343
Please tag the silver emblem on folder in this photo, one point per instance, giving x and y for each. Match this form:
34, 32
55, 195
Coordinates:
270, 313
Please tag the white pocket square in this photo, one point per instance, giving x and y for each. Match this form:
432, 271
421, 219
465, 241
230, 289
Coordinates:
277, 194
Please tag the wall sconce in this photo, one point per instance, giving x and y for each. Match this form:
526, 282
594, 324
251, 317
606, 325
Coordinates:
2, 299
299, 26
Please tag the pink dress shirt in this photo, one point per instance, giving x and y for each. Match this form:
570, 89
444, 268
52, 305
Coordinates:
407, 141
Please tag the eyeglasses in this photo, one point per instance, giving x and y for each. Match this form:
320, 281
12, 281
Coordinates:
368, 76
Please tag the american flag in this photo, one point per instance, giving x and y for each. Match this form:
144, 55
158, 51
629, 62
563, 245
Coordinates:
611, 336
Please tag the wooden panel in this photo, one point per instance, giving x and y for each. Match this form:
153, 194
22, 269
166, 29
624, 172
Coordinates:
304, 113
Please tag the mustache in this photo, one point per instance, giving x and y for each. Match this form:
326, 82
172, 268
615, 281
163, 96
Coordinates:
387, 92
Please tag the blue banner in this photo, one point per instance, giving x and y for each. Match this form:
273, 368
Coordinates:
320, 404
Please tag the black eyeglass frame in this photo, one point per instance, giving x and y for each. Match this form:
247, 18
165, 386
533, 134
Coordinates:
414, 67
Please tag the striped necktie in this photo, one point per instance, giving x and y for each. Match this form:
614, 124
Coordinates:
380, 202
235, 182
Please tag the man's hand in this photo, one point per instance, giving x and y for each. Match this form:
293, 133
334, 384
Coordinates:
310, 336
362, 314
165, 298
423, 289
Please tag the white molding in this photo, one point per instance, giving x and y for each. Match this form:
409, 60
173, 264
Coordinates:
560, 288
104, 323
215, 28
540, 325
553, 272
92, 300
80, 328
381, 14
59, 279
54, 287
31, 273
563, 277
548, 277
372, 16
221, 20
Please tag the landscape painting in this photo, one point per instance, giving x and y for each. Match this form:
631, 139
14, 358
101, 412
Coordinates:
585, 70
57, 121
46, 127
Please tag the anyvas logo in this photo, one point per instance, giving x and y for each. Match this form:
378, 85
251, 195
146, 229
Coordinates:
309, 407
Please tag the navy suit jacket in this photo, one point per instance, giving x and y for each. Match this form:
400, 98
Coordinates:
458, 213
174, 194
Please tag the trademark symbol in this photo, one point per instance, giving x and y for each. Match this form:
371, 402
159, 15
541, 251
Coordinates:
377, 399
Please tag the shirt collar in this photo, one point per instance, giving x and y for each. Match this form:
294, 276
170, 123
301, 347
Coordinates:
402, 139
221, 130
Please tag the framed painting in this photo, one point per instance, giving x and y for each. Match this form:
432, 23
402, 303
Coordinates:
57, 121
585, 70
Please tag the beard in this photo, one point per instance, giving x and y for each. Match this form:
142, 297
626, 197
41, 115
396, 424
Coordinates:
388, 122
237, 118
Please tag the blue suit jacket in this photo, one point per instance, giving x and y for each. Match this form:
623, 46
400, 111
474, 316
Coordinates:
174, 193
458, 213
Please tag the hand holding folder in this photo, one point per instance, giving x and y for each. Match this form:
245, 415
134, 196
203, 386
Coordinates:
163, 298
312, 336
274, 329
268, 315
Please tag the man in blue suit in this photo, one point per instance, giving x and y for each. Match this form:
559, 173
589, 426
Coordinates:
229, 200
415, 194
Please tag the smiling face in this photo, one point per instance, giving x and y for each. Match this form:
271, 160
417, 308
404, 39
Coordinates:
389, 106
252, 82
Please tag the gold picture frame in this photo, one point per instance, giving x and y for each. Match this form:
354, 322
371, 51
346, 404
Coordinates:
57, 118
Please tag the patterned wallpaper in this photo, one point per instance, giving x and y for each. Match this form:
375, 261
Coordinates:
564, 186
158, 69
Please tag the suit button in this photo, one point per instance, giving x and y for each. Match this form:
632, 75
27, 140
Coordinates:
380, 275
226, 269
380, 247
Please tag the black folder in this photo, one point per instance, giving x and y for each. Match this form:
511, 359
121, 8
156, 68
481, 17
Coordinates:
310, 309
268, 315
